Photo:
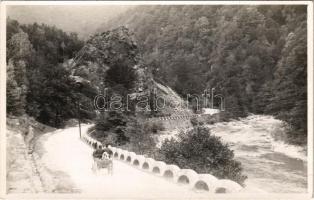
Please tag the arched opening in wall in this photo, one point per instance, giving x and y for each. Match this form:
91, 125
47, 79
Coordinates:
145, 165
156, 170
128, 159
116, 155
221, 190
122, 157
168, 174
183, 180
201, 185
136, 163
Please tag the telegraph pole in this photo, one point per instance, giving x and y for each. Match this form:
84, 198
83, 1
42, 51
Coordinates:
79, 117
79, 87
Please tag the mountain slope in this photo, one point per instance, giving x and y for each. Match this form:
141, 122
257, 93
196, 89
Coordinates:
255, 56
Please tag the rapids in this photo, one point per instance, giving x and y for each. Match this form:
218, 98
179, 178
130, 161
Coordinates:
270, 164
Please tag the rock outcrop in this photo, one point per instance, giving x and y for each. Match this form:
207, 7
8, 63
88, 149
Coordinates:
113, 49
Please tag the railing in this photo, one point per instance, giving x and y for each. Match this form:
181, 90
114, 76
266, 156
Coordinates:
188, 177
178, 117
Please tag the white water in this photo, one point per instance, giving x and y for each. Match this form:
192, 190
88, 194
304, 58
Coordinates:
270, 164
259, 131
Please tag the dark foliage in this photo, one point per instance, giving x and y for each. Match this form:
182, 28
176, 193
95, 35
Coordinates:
46, 90
255, 56
197, 149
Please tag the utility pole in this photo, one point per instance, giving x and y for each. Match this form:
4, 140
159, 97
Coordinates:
79, 87
79, 117
213, 98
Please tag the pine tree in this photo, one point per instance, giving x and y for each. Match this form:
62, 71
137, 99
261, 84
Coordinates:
13, 93
290, 86
19, 51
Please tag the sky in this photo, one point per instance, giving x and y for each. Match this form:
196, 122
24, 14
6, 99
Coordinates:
84, 20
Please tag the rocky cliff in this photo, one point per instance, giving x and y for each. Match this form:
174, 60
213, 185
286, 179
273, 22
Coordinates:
113, 58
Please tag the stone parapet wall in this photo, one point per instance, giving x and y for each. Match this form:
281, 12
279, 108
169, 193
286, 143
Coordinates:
187, 177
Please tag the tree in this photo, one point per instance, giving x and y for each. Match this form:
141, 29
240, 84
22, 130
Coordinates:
19, 51
290, 86
55, 96
141, 140
240, 49
197, 149
13, 95
37, 81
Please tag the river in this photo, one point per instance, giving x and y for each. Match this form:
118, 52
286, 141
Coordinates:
271, 166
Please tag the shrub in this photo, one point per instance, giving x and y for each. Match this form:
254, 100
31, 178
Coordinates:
99, 135
154, 127
193, 121
121, 138
102, 125
197, 149
110, 128
140, 140
196, 121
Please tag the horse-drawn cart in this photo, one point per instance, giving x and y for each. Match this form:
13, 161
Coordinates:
103, 162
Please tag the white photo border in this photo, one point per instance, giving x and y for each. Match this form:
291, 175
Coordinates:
283, 196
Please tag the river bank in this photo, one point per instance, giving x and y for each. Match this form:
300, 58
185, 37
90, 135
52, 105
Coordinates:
270, 164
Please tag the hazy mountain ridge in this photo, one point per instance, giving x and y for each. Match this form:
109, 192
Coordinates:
84, 20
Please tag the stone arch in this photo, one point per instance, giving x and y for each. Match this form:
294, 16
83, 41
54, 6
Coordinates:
168, 174
227, 186
138, 161
170, 171
122, 157
206, 182
183, 179
201, 185
187, 177
129, 158
159, 167
145, 166
148, 164
156, 170
115, 152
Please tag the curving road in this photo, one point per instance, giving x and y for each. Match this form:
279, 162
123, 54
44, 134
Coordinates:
66, 153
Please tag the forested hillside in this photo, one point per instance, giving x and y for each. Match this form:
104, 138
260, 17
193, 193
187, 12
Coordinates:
38, 83
254, 55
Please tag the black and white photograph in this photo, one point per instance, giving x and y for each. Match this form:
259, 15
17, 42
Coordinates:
157, 100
